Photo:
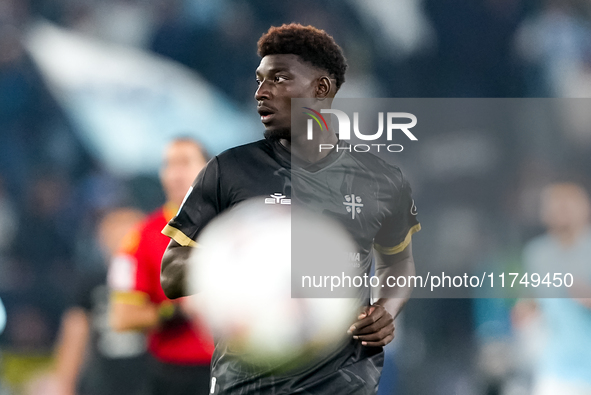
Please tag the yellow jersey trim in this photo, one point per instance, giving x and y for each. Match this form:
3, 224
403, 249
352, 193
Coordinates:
178, 236
400, 247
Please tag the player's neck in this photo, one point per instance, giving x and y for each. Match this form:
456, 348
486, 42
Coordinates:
307, 149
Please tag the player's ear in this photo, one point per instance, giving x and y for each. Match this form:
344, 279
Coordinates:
323, 87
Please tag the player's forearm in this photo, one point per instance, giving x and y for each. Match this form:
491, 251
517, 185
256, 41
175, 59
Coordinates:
393, 306
394, 266
127, 317
173, 270
394, 299
70, 349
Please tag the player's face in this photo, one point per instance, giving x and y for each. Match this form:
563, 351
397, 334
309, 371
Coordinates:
281, 78
564, 207
182, 162
114, 228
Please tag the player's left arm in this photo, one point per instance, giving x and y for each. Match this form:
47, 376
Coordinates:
173, 270
70, 349
393, 247
394, 266
375, 325
201, 205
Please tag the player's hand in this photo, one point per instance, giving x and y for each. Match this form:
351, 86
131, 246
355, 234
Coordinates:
375, 327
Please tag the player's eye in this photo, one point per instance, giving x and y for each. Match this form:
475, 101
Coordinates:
279, 78
258, 81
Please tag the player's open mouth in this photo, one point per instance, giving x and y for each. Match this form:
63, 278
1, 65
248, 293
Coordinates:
265, 113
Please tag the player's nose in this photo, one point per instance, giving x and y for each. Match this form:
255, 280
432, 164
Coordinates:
262, 92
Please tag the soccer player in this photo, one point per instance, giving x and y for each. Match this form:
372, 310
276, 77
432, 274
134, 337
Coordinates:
564, 363
305, 62
91, 358
181, 355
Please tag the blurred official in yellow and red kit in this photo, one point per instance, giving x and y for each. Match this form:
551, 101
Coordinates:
181, 350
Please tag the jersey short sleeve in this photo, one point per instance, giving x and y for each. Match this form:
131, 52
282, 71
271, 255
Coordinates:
398, 227
200, 206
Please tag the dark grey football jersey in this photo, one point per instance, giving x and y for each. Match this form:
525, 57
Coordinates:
370, 198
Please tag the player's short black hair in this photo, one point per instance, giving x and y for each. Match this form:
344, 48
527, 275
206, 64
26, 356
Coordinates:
309, 43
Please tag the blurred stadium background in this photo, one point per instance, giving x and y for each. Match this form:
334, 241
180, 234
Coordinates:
90, 90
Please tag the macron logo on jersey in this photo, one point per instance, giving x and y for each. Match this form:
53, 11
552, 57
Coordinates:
278, 198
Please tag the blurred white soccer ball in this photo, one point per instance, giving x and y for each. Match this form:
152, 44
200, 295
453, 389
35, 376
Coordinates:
241, 273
